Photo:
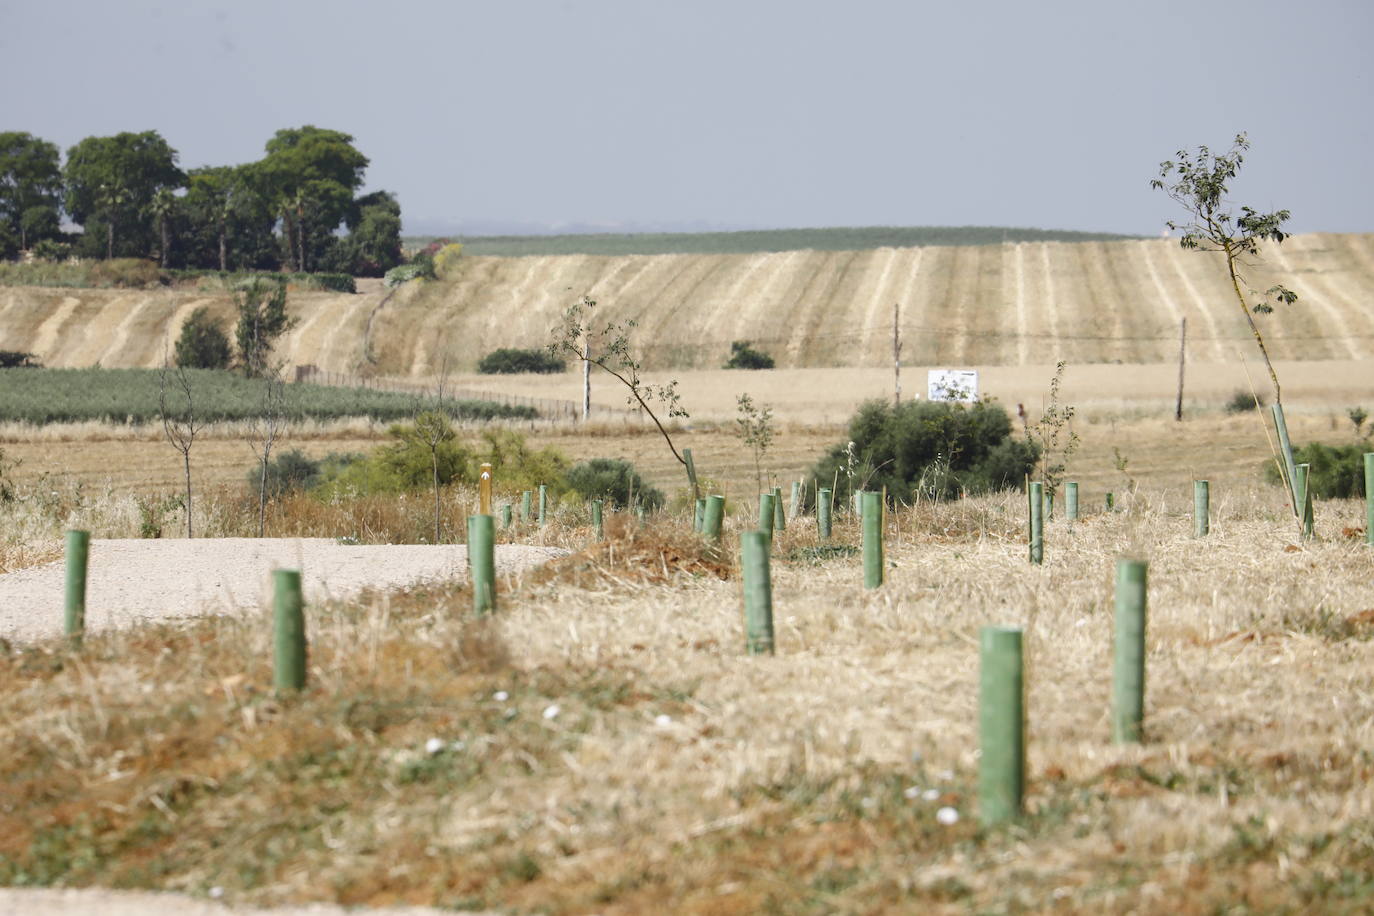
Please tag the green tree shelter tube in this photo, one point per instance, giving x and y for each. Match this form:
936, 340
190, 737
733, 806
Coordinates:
1001, 725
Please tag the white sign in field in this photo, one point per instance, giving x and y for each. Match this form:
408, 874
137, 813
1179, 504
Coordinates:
953, 385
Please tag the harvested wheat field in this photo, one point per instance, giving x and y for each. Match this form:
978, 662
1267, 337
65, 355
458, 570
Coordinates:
604, 744
1021, 304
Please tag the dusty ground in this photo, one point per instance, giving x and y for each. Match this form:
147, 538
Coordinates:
129, 903
132, 581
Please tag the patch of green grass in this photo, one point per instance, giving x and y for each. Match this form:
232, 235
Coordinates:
762, 240
43, 396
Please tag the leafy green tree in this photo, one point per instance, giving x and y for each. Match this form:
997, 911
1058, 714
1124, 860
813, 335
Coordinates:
374, 236
311, 175
1197, 181
112, 182
262, 319
30, 187
229, 218
202, 343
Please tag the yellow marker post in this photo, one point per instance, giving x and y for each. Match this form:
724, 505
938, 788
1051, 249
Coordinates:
484, 490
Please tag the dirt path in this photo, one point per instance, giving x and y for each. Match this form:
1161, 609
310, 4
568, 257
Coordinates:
137, 903
132, 581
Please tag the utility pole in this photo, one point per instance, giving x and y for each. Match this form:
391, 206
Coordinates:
1182, 356
897, 354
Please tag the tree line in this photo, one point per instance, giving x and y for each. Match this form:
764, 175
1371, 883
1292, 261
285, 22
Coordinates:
132, 200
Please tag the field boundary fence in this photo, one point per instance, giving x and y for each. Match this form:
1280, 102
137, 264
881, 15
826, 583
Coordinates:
554, 409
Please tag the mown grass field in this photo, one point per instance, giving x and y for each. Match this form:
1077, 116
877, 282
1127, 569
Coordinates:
1014, 304
604, 744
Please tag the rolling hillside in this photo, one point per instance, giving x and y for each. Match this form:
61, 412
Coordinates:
1010, 304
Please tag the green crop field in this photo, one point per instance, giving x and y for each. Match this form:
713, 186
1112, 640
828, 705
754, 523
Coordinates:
41, 396
758, 241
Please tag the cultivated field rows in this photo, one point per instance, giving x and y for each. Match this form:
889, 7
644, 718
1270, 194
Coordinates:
1007, 305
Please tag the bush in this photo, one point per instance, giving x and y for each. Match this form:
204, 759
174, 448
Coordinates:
51, 250
1243, 400
508, 361
743, 356
13, 359
934, 449
515, 466
1337, 471
288, 472
126, 273
615, 481
202, 343
447, 259
421, 268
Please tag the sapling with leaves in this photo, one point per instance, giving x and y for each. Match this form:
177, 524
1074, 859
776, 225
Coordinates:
754, 426
1198, 181
578, 336
179, 424
1054, 430
432, 428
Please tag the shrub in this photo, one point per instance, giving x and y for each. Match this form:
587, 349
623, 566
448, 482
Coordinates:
202, 343
515, 466
934, 449
288, 472
614, 481
447, 259
509, 360
127, 273
743, 356
51, 250
1337, 471
1243, 400
13, 359
419, 269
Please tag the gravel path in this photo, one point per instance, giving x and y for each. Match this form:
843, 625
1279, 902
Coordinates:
135, 580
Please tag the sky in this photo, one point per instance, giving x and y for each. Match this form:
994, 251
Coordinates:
534, 116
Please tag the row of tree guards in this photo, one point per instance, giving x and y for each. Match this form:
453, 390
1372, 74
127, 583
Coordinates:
1001, 718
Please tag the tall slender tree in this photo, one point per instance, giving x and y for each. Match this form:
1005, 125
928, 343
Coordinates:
30, 187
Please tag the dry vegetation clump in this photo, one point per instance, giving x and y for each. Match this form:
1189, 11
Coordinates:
603, 744
652, 552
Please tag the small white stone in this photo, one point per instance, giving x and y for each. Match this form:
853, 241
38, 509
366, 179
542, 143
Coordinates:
868, 802
930, 795
947, 816
551, 711
217, 892
434, 745
663, 720
912, 792
500, 696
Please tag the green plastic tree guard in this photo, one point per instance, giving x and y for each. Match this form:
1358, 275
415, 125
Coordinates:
597, 521
873, 539
1037, 523
1369, 498
288, 670
525, 508
482, 563
1304, 498
1286, 447
699, 514
505, 516
794, 508
1049, 505
823, 523
766, 515
78, 551
1128, 669
543, 505
779, 516
713, 518
1111, 503
1001, 725
1071, 501
1202, 508
758, 593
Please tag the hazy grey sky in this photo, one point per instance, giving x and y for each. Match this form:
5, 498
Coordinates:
734, 114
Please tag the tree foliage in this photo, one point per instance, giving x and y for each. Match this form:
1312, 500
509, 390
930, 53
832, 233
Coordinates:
744, 356
512, 360
615, 481
1199, 182
202, 343
262, 319
30, 188
113, 181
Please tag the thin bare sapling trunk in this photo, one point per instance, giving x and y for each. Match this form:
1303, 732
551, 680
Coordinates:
263, 433
180, 425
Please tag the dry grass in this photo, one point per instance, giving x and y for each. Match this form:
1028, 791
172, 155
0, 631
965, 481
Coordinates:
1009, 305
678, 774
